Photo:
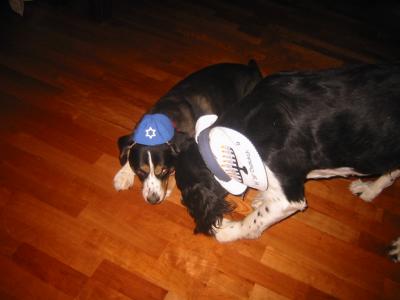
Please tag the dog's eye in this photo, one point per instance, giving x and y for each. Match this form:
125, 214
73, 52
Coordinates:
161, 171
140, 173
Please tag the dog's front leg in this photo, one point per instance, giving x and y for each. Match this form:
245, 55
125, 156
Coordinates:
271, 211
123, 180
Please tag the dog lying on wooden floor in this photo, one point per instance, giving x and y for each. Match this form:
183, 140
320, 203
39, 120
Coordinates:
310, 125
150, 151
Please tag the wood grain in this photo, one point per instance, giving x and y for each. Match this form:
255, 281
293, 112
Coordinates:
70, 86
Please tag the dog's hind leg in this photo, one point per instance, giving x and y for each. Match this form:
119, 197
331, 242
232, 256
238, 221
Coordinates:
368, 190
124, 178
394, 252
270, 211
270, 207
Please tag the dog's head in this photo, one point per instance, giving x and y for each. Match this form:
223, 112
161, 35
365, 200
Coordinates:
153, 164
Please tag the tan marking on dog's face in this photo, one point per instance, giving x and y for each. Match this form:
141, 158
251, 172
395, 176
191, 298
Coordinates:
145, 168
158, 170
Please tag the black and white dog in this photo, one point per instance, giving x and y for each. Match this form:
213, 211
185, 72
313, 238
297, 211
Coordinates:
209, 90
309, 125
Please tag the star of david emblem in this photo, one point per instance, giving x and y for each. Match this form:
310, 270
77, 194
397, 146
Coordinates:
150, 132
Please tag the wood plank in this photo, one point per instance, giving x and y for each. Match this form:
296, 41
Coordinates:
49, 270
313, 276
8, 244
259, 293
60, 185
333, 254
267, 277
31, 221
126, 282
18, 283
94, 290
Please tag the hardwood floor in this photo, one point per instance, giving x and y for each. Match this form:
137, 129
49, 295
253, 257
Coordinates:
70, 86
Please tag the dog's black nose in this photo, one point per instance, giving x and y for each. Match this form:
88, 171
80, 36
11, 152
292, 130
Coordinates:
153, 198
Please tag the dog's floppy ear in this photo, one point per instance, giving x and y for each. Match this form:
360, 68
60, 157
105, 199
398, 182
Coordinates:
206, 206
125, 144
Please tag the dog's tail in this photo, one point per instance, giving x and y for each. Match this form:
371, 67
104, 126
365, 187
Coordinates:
253, 64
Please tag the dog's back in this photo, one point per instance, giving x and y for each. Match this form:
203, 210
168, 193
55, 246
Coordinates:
208, 91
318, 125
303, 121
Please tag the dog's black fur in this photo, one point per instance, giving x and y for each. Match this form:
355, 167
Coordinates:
203, 196
209, 90
305, 121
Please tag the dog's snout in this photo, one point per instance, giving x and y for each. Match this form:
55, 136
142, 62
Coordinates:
153, 198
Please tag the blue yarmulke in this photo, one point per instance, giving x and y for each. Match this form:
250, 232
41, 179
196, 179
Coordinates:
154, 129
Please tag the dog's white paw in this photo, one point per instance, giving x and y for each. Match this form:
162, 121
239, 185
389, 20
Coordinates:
124, 179
394, 252
363, 189
228, 231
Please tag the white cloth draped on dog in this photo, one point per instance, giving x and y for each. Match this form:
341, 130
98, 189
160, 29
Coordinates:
231, 157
